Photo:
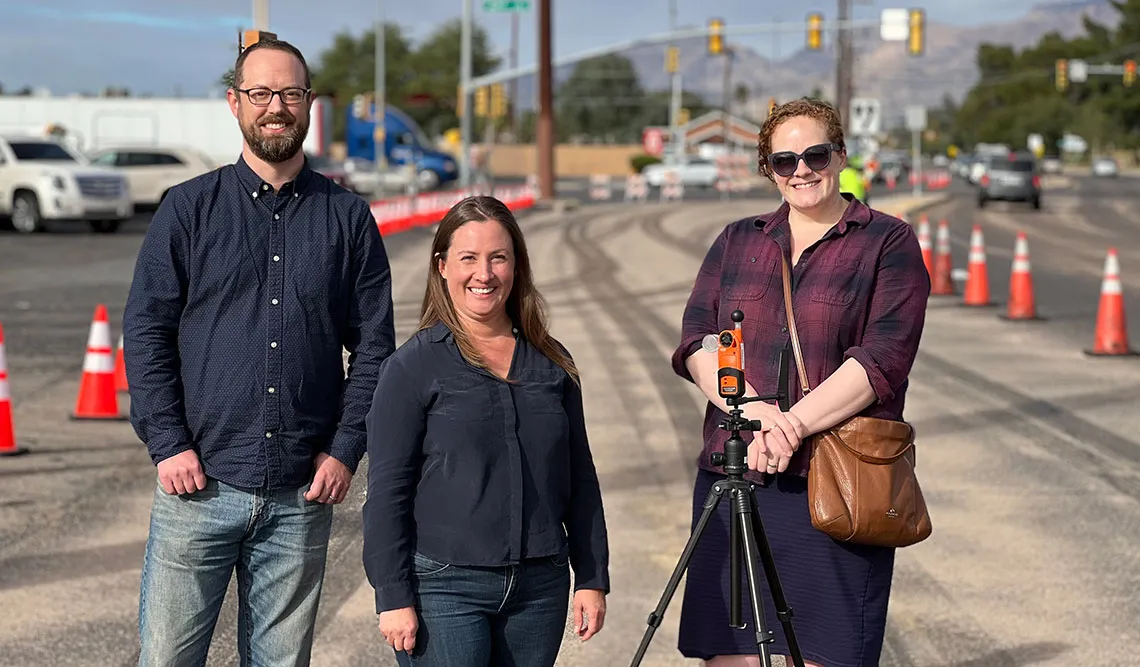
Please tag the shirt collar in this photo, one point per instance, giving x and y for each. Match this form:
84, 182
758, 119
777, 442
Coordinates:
255, 184
857, 213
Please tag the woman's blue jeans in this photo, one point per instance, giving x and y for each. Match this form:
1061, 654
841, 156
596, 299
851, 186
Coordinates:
512, 616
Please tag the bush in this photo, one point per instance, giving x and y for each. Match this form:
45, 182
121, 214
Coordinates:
640, 162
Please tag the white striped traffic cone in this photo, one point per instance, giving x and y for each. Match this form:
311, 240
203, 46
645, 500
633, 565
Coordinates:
97, 398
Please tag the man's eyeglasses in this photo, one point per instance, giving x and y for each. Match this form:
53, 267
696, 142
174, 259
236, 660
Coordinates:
815, 157
261, 97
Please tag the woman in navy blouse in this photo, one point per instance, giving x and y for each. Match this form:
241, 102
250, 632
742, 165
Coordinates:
482, 493
859, 292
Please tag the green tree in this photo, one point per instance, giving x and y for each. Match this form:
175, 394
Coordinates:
436, 79
603, 99
1016, 94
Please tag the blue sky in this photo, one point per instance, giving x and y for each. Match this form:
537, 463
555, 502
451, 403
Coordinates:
179, 46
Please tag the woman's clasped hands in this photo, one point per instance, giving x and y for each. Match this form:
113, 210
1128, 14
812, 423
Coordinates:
780, 436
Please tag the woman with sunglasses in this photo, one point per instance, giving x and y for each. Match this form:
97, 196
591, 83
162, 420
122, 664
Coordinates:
859, 291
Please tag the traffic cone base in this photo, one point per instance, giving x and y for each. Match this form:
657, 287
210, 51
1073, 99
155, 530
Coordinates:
97, 398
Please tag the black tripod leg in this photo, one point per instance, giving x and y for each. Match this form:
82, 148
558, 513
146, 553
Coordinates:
742, 508
734, 552
711, 501
755, 538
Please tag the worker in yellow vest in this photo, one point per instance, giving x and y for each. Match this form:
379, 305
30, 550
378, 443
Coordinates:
851, 179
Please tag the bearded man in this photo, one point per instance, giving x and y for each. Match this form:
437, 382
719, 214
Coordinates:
250, 283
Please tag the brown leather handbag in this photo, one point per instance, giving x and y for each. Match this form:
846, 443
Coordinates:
861, 482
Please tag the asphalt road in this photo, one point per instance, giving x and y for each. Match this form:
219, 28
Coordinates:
1080, 219
1030, 459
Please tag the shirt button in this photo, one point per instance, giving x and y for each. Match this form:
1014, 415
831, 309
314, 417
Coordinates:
276, 258
752, 259
271, 390
264, 186
254, 195
276, 216
274, 302
273, 344
268, 434
295, 195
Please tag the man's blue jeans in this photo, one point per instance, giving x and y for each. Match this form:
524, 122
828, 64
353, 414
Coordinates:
511, 616
276, 541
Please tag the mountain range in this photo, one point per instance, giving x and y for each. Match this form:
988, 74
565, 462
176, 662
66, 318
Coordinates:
883, 70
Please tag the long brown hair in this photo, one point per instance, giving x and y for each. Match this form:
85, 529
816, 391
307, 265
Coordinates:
820, 111
525, 305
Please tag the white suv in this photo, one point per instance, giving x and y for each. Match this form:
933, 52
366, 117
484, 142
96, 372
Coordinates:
42, 181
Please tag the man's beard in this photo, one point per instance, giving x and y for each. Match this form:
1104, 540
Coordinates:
276, 148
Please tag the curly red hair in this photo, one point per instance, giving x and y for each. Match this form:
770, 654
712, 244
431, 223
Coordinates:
819, 110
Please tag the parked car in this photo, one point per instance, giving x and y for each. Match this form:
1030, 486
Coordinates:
1105, 167
694, 172
152, 171
43, 181
1015, 179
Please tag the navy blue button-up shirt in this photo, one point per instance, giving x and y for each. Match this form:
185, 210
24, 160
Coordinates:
470, 469
242, 303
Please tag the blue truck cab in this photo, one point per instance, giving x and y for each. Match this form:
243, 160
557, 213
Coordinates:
404, 143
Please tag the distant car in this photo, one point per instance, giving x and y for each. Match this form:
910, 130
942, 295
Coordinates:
692, 172
1012, 179
1051, 164
1105, 167
152, 171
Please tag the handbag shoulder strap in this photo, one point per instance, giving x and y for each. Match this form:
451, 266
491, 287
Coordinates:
805, 387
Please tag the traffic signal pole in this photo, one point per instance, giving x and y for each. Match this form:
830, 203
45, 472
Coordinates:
677, 137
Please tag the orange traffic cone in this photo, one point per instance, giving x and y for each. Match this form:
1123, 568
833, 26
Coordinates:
943, 283
97, 399
924, 244
1022, 304
977, 280
120, 369
1111, 328
8, 446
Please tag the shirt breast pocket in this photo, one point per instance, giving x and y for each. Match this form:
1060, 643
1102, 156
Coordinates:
840, 284
316, 272
540, 392
464, 399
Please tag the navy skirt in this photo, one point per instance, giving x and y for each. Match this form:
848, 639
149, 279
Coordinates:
838, 592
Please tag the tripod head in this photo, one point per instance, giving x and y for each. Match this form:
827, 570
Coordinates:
729, 346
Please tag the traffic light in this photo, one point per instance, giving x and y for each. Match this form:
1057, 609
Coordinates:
716, 37
672, 59
481, 102
1062, 75
498, 101
916, 37
815, 32
1129, 72
771, 105
251, 37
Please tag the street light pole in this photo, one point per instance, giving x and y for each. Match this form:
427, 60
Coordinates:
675, 138
379, 135
261, 15
465, 73
544, 129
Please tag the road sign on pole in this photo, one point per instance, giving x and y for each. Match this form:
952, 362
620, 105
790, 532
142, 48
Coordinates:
1078, 71
506, 5
916, 118
895, 25
652, 141
865, 117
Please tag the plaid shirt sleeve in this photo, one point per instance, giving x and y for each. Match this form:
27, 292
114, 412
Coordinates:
896, 314
701, 312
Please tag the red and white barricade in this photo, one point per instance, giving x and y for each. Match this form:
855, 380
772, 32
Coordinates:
600, 187
672, 189
636, 188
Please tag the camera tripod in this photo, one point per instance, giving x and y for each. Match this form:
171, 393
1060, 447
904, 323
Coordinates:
746, 535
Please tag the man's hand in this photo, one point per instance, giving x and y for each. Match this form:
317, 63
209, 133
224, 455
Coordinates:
589, 612
330, 481
181, 473
399, 628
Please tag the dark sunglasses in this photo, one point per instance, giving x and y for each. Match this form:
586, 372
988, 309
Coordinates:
815, 157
